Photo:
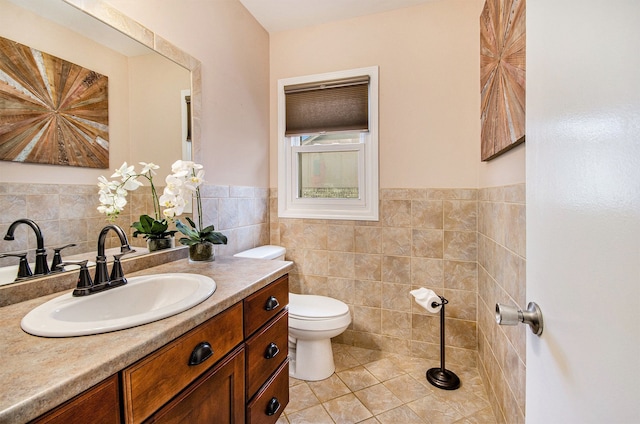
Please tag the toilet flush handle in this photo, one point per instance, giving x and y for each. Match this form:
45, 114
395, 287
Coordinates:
272, 303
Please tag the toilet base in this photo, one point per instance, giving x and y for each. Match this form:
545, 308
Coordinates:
311, 360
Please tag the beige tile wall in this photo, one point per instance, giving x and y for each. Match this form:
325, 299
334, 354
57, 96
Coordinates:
68, 214
501, 279
425, 237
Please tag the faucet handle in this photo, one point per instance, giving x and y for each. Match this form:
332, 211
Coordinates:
24, 270
85, 284
117, 274
57, 258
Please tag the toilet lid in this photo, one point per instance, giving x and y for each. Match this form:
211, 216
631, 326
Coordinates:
308, 306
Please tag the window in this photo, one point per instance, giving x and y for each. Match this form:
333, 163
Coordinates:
328, 145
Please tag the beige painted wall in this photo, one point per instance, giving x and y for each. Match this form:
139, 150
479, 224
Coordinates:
27, 28
429, 76
429, 90
156, 115
234, 51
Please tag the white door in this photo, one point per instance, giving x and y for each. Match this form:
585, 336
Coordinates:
583, 210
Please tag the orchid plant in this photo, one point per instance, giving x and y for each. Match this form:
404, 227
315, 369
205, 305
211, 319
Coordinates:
113, 199
182, 185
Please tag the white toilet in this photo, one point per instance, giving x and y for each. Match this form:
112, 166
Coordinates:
313, 321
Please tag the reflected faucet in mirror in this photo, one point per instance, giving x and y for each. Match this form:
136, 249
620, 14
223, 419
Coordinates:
42, 268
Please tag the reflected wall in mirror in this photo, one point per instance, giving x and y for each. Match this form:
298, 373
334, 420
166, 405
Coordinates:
148, 80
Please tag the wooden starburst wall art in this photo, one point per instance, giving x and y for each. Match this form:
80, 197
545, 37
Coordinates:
502, 76
51, 111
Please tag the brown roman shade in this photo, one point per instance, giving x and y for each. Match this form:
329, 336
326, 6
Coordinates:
327, 106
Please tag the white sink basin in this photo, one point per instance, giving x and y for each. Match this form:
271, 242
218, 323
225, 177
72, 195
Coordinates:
143, 300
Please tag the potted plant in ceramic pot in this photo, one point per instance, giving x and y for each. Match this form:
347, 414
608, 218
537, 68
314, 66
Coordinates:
113, 200
182, 185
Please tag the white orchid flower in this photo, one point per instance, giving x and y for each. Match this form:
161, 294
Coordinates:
194, 181
124, 171
131, 183
121, 191
169, 213
119, 202
174, 185
179, 166
167, 200
149, 167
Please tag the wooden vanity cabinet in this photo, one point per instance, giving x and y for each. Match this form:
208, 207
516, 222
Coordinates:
100, 405
232, 368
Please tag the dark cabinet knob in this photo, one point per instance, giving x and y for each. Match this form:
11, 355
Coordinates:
272, 351
272, 303
273, 406
201, 353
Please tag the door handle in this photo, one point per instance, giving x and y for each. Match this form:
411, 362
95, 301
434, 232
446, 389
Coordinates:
509, 315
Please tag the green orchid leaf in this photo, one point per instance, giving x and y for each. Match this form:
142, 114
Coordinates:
193, 225
147, 223
189, 232
148, 227
216, 238
188, 242
208, 229
159, 226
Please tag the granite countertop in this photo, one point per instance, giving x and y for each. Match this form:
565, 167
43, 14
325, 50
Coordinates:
38, 373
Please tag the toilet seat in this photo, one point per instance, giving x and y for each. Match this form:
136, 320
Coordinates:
315, 308
317, 314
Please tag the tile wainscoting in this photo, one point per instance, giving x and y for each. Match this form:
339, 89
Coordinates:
466, 244
502, 279
67, 213
425, 237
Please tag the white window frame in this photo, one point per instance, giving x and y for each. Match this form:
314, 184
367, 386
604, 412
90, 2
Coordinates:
365, 208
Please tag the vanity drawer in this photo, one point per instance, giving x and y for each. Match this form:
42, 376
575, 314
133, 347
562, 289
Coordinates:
264, 304
151, 382
265, 351
269, 403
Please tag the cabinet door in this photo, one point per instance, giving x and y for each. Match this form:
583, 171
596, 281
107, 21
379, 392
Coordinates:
153, 381
215, 398
100, 405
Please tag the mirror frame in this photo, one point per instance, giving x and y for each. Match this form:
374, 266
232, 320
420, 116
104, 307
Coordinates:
112, 17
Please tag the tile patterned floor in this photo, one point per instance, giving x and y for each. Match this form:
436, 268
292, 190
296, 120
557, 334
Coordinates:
373, 387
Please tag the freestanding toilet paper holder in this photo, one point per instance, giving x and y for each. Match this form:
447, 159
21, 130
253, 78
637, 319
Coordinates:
509, 315
441, 377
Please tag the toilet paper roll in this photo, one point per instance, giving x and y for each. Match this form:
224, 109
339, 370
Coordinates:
426, 298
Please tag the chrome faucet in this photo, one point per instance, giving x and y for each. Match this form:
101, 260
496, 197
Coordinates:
42, 268
102, 279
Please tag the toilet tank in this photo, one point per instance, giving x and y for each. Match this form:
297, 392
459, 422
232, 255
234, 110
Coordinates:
264, 252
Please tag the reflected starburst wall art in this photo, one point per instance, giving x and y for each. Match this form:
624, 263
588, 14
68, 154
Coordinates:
51, 111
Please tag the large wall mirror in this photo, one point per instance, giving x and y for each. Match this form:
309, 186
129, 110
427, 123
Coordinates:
150, 122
